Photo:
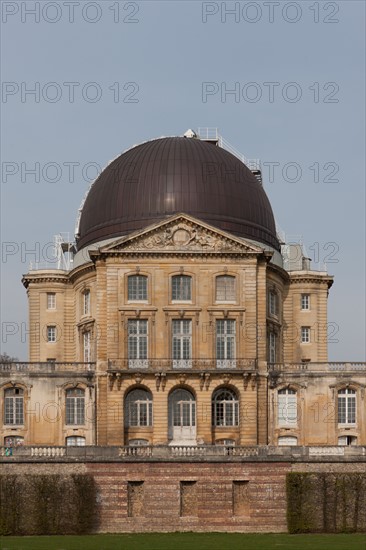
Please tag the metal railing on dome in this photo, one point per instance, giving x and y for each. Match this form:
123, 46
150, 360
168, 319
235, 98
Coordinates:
212, 134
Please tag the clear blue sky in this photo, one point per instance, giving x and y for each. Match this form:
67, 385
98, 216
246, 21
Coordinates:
168, 52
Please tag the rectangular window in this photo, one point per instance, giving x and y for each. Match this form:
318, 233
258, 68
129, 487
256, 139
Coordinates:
135, 499
86, 302
137, 343
87, 346
14, 406
182, 342
51, 300
347, 406
225, 288
272, 347
181, 288
305, 335
287, 408
188, 498
51, 334
137, 288
272, 303
225, 342
75, 407
75, 441
305, 301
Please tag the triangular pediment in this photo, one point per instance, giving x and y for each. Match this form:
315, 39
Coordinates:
181, 233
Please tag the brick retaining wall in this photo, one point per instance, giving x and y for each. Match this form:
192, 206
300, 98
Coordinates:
178, 495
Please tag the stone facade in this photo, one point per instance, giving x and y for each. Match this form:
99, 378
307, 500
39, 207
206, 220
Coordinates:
238, 355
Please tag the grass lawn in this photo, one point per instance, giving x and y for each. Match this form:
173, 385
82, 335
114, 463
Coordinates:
187, 541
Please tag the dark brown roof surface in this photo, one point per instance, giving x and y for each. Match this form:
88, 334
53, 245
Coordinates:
170, 175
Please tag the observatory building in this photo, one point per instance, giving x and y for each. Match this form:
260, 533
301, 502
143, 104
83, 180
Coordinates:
179, 317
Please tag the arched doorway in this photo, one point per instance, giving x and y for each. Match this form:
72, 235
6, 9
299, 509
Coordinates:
182, 417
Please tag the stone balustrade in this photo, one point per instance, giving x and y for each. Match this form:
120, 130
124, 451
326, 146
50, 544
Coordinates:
318, 367
48, 367
164, 365
168, 453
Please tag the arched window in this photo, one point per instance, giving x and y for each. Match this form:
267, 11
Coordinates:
225, 288
181, 288
182, 416
14, 406
75, 406
287, 407
225, 408
138, 409
346, 406
137, 288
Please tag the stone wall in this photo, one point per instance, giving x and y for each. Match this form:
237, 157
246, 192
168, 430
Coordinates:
149, 495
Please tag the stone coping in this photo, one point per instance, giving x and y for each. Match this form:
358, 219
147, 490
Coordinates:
178, 453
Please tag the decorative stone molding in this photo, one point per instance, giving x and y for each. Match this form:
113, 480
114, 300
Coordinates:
160, 379
180, 234
205, 379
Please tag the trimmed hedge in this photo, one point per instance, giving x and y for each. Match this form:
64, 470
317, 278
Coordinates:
326, 502
48, 504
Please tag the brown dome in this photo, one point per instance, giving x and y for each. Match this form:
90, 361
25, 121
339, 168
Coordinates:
170, 175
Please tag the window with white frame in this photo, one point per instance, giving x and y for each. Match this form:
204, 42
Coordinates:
225, 288
287, 440
138, 408
305, 335
346, 406
86, 302
182, 339
75, 406
51, 334
227, 442
87, 346
14, 406
51, 300
137, 288
182, 288
225, 408
75, 441
287, 407
272, 302
347, 440
305, 301
272, 347
225, 339
138, 442
13, 441
137, 339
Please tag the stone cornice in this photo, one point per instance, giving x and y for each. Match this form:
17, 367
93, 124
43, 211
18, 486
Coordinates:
311, 277
81, 270
279, 271
44, 276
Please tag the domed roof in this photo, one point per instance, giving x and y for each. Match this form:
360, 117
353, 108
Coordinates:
166, 176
